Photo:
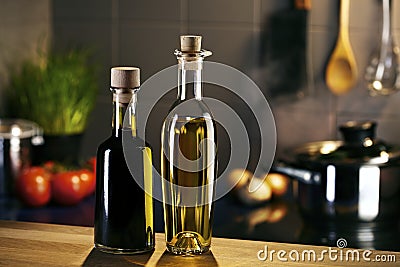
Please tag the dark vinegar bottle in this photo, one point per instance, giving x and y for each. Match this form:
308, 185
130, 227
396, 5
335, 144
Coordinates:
124, 204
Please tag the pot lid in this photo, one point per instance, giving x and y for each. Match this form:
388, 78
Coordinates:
359, 146
18, 128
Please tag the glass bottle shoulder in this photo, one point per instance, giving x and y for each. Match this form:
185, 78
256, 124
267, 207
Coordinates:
110, 142
188, 109
116, 144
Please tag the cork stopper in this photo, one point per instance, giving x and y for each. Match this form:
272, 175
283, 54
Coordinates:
190, 43
125, 77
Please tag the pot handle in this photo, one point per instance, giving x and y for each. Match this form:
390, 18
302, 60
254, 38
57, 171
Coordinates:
302, 175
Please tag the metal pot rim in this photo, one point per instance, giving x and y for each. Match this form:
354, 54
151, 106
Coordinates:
318, 153
19, 128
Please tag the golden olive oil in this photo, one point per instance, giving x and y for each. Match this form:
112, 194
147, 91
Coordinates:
188, 189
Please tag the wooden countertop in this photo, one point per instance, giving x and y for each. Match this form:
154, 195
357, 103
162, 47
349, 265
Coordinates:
35, 244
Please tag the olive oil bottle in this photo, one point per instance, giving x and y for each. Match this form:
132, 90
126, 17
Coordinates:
124, 211
188, 157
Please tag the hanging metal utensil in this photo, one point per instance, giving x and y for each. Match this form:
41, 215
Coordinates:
383, 72
341, 72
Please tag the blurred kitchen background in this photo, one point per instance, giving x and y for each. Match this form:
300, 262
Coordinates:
145, 34
265, 39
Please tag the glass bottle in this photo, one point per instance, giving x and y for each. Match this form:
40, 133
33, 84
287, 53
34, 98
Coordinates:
188, 157
124, 211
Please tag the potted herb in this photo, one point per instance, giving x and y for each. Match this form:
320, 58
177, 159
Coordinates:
58, 93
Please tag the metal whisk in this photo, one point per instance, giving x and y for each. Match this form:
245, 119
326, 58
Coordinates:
383, 72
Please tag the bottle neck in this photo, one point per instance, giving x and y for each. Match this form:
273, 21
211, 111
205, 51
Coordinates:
124, 114
190, 78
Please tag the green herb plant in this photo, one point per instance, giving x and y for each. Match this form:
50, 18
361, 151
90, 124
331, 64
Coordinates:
58, 93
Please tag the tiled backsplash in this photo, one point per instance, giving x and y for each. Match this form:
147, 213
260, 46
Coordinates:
25, 27
145, 33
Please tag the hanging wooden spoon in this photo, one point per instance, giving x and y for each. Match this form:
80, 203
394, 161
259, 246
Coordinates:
341, 72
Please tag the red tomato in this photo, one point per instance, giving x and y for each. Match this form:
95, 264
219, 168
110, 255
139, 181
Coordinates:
88, 180
33, 186
68, 188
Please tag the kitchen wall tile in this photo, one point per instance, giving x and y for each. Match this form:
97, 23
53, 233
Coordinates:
91, 33
25, 29
135, 33
317, 96
149, 46
362, 15
23, 12
94, 35
235, 47
396, 21
99, 126
321, 45
270, 7
295, 127
364, 44
149, 10
396, 37
380, 109
29, 39
321, 102
210, 11
306, 119
227, 125
365, 15
396, 14
388, 129
385, 106
23, 42
324, 14
82, 10
359, 103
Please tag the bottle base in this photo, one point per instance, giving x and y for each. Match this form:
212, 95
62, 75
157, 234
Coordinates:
112, 250
187, 243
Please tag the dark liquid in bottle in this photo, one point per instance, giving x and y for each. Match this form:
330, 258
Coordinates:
123, 214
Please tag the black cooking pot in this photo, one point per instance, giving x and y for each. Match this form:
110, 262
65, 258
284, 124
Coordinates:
346, 182
17, 138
